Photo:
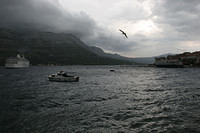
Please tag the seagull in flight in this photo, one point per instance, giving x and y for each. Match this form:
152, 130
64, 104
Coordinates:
123, 33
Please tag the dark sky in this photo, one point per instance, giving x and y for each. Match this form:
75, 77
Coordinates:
154, 26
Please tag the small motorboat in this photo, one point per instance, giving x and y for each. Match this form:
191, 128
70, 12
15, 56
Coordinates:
63, 77
112, 70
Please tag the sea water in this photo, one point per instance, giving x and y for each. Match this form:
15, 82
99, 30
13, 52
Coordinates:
127, 100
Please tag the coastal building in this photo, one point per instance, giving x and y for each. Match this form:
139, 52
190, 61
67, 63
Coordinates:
179, 60
168, 62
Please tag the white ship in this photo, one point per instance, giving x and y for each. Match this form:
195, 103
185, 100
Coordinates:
17, 62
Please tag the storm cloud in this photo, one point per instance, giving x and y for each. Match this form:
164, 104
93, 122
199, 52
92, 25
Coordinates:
181, 16
153, 27
49, 15
44, 15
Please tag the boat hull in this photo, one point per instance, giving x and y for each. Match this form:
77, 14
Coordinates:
64, 79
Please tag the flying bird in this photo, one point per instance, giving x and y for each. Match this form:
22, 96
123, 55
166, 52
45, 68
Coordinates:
123, 33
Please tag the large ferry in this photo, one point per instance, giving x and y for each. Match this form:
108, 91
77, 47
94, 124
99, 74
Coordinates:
17, 62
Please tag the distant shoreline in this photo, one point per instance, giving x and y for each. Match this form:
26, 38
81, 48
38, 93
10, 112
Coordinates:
139, 65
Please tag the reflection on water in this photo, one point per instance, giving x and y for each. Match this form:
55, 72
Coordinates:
131, 99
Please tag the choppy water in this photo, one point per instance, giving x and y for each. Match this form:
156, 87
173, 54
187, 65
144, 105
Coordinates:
131, 99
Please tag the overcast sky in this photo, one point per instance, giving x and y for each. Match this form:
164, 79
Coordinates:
153, 27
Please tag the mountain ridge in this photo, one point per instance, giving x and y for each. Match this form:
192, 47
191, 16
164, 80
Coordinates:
52, 48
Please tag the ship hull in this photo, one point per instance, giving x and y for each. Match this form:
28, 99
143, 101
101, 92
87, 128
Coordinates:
18, 64
15, 66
